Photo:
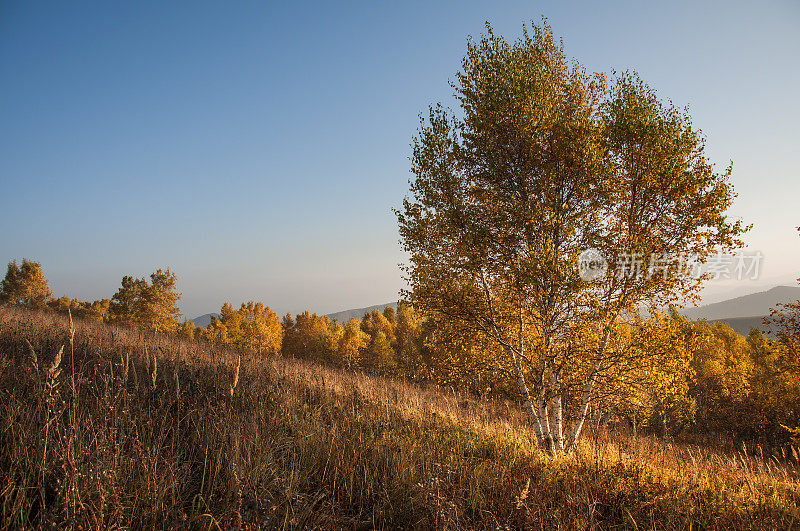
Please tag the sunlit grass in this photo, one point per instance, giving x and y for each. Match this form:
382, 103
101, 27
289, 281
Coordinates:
297, 444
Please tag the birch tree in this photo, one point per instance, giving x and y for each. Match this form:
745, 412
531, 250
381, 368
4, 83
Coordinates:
542, 163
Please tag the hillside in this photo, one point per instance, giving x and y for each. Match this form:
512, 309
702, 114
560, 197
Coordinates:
343, 316
149, 432
204, 320
740, 313
743, 325
749, 306
358, 313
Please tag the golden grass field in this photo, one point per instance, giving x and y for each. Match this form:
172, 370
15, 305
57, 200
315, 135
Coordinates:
134, 430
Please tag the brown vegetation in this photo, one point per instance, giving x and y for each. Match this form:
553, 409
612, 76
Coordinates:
140, 430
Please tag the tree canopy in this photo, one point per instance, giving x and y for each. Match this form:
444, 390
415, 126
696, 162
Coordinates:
152, 305
544, 162
25, 285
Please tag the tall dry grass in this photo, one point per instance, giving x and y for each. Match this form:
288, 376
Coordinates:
145, 431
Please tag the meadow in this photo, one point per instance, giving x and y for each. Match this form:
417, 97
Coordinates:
105, 426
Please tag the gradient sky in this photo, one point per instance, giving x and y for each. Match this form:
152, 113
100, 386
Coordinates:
257, 148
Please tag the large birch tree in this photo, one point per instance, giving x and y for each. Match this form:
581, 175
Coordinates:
542, 162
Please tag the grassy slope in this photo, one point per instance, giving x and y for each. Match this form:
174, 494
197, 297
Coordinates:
300, 445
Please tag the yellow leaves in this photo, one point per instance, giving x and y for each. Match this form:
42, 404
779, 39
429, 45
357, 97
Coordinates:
352, 341
153, 305
25, 285
253, 326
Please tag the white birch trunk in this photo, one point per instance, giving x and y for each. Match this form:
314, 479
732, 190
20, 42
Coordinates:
534, 416
581, 417
548, 434
586, 398
528, 402
558, 415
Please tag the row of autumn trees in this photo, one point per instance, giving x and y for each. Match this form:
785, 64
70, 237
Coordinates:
383, 342
152, 305
692, 377
386, 342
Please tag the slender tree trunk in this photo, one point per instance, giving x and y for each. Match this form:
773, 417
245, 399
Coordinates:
527, 400
582, 410
545, 418
587, 394
536, 420
544, 414
558, 415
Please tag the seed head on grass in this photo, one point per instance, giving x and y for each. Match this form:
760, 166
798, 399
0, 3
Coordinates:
32, 356
55, 368
154, 373
71, 329
125, 363
235, 381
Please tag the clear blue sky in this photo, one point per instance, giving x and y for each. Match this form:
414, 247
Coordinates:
257, 148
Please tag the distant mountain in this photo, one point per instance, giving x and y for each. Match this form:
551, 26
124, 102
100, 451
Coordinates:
358, 313
740, 313
744, 313
743, 325
204, 320
753, 305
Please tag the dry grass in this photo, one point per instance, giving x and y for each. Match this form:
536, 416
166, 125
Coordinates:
145, 431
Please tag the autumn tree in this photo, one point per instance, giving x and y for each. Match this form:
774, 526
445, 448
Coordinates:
544, 162
25, 285
382, 358
409, 342
215, 332
64, 304
456, 357
253, 326
96, 310
92, 311
312, 336
663, 209
351, 343
127, 302
186, 330
778, 366
152, 305
390, 314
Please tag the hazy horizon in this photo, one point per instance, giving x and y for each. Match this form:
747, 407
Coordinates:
258, 150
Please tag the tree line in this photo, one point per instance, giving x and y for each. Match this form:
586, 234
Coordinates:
692, 378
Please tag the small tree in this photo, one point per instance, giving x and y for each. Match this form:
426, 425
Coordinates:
160, 309
25, 286
383, 356
152, 305
309, 335
127, 302
186, 330
253, 326
408, 340
351, 343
